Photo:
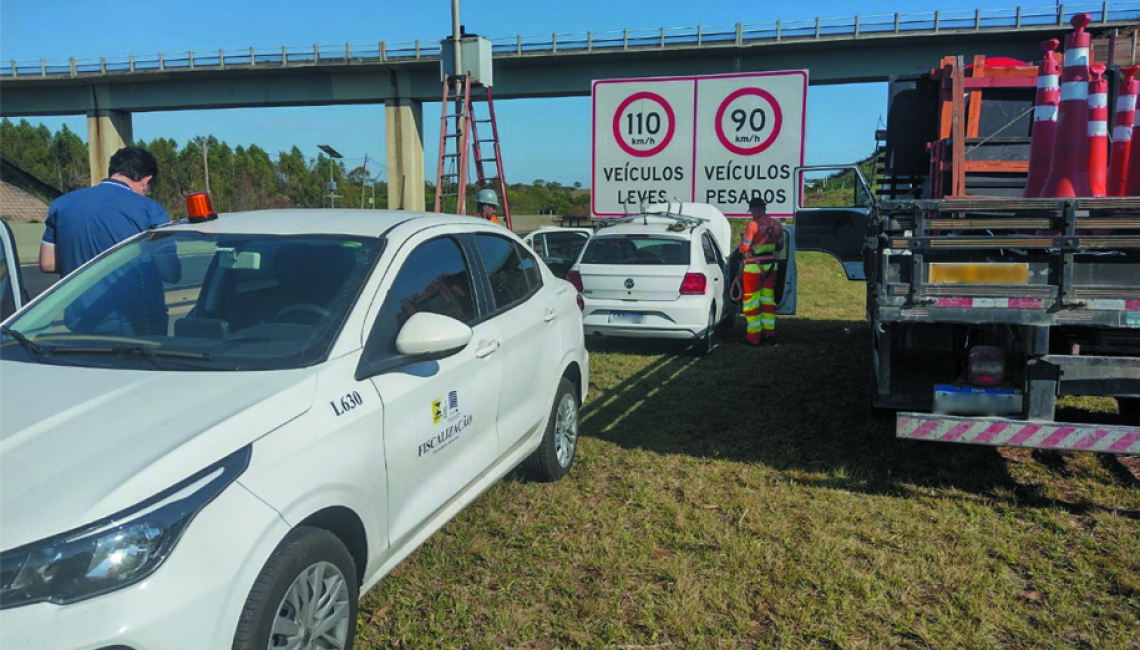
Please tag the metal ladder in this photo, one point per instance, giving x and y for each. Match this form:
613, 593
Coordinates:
459, 134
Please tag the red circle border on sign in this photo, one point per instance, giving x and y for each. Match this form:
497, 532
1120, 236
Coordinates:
668, 113
778, 116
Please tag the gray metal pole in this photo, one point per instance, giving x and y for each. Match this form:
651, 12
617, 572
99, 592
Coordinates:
206, 162
363, 178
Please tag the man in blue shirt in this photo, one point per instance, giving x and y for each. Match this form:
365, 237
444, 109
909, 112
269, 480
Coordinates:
84, 223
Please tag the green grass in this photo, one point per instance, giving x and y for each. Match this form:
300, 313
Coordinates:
748, 499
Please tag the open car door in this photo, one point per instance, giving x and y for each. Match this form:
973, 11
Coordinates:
832, 209
12, 292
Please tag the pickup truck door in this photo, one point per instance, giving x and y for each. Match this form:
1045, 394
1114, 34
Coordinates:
832, 208
12, 292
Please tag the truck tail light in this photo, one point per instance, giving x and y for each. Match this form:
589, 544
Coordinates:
200, 207
581, 303
694, 284
575, 278
986, 365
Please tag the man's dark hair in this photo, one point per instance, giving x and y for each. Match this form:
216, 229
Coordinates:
135, 163
757, 202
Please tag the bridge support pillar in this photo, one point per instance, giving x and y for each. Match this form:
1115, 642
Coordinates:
107, 132
403, 119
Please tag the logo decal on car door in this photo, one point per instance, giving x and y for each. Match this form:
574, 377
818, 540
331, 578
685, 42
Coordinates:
445, 409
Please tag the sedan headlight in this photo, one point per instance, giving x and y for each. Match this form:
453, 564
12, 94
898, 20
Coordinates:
114, 552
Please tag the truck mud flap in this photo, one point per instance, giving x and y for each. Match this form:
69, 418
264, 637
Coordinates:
1002, 432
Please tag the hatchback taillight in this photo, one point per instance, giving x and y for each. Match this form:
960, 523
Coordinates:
694, 284
575, 278
986, 366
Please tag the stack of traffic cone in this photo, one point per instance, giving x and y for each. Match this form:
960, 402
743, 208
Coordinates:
1044, 119
1069, 168
1098, 131
1122, 131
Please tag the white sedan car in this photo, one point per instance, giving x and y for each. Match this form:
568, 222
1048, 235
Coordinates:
558, 247
662, 274
219, 435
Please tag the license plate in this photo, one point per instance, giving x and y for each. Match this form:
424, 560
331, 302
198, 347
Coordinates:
965, 273
970, 400
626, 317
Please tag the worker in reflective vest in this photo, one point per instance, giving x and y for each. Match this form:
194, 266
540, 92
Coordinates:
485, 203
762, 239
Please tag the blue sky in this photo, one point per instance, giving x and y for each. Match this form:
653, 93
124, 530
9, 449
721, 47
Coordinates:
841, 119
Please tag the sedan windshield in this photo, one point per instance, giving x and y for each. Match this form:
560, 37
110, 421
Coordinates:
182, 300
637, 249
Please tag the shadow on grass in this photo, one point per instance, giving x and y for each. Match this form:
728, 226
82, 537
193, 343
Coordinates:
802, 408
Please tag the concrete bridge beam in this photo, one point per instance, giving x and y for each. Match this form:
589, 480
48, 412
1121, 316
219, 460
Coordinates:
107, 132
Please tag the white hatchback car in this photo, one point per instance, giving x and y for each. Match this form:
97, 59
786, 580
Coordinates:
661, 274
218, 435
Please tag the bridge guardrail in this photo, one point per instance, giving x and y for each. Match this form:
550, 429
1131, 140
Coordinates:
841, 27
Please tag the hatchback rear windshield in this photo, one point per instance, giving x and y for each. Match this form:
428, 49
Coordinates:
186, 300
633, 249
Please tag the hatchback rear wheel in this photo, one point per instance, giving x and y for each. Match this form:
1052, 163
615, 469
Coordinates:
704, 345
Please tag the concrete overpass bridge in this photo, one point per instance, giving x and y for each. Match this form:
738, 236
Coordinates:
404, 75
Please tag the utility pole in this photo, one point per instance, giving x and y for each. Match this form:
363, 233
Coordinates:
205, 161
362, 179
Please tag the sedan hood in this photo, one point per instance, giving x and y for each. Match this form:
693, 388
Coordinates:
78, 444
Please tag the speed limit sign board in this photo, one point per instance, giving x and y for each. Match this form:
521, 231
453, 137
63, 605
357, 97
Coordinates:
720, 139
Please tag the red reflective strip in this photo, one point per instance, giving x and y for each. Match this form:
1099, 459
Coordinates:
991, 432
958, 431
924, 428
1126, 441
1090, 440
1131, 304
1024, 434
955, 302
1057, 437
1026, 303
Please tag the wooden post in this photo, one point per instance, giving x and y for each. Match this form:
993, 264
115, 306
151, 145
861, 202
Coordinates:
977, 19
102, 65
252, 57
896, 23
662, 38
74, 73
856, 26
191, 57
1060, 14
554, 42
589, 41
1017, 23
316, 54
779, 28
698, 34
383, 52
221, 58
161, 63
625, 39
937, 20
43, 68
284, 55
817, 30
739, 34
132, 64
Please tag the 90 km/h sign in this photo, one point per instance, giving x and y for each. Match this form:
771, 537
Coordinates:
720, 139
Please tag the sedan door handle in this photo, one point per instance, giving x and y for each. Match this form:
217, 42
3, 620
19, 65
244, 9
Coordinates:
487, 350
549, 315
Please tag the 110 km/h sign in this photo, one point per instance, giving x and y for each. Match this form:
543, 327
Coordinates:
715, 139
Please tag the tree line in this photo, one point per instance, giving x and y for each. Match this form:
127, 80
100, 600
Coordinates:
248, 178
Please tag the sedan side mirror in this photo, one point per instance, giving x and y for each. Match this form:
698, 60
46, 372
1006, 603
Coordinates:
424, 337
432, 336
